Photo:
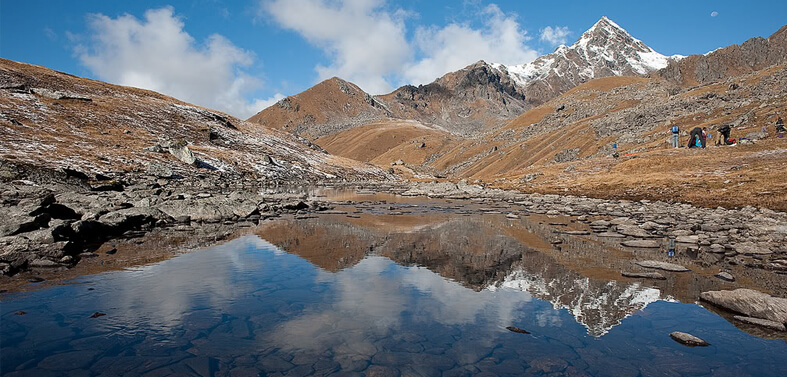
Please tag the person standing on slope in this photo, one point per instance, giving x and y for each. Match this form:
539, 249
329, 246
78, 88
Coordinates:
675, 136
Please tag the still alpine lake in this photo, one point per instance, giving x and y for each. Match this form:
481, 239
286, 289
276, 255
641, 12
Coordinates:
379, 295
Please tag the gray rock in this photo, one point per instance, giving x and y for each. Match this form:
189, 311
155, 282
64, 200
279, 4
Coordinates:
633, 231
159, 170
245, 209
204, 210
183, 153
644, 275
750, 303
44, 263
14, 222
751, 248
761, 322
687, 239
688, 339
650, 225
724, 275
666, 266
130, 218
622, 221
574, 232
613, 235
649, 244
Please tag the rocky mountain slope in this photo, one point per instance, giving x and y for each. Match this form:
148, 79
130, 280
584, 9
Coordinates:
331, 106
752, 55
99, 131
471, 100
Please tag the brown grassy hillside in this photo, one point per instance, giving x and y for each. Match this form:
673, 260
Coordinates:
55, 120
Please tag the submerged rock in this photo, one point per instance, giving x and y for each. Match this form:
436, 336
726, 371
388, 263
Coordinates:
750, 303
688, 339
517, 330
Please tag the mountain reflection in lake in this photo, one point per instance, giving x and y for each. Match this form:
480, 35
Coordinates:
379, 295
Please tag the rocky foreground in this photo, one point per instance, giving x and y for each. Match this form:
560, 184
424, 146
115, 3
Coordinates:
51, 225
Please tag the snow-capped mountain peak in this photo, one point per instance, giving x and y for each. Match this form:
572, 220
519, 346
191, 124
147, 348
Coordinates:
606, 49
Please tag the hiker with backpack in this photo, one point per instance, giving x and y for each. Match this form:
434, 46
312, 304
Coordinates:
675, 136
696, 138
780, 127
724, 131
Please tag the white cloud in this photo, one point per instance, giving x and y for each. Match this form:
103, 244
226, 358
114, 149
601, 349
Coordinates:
367, 43
714, 13
555, 36
364, 42
156, 53
455, 46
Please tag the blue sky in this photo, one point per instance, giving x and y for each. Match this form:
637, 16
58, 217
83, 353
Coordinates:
241, 56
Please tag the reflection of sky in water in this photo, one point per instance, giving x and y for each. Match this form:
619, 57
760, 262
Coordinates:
247, 302
374, 297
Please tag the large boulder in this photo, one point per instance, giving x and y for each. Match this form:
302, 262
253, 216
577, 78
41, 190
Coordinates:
182, 152
750, 303
210, 210
130, 218
16, 221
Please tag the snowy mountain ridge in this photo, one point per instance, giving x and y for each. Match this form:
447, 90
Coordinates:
606, 49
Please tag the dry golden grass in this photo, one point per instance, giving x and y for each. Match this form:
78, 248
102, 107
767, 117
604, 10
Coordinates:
716, 176
386, 141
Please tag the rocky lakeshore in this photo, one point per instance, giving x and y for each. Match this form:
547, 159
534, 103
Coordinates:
56, 223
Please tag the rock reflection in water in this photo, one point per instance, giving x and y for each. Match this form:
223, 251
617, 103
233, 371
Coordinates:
478, 252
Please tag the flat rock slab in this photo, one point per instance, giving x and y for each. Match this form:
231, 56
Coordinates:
650, 244
574, 232
725, 276
688, 339
644, 275
750, 303
610, 235
633, 231
666, 266
761, 322
751, 248
687, 239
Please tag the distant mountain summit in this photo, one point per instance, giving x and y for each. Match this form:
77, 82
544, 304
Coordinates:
473, 99
606, 49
